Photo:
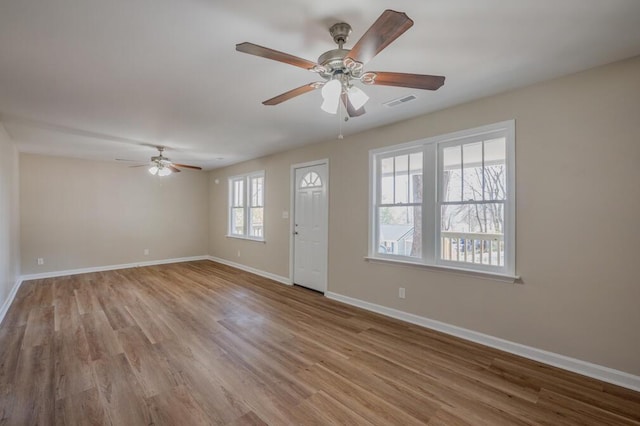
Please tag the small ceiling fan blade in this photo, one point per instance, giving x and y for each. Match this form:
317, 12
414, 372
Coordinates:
350, 108
140, 165
186, 166
414, 81
265, 52
389, 26
292, 94
130, 161
172, 168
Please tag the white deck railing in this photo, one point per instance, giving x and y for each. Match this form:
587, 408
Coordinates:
473, 247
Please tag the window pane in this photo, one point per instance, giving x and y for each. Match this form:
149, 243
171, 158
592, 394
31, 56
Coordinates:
473, 233
401, 179
257, 184
466, 218
311, 180
400, 230
415, 178
473, 176
257, 222
451, 178
238, 193
237, 221
495, 170
386, 180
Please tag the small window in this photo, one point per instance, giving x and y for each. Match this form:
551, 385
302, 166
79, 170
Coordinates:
246, 206
311, 180
447, 201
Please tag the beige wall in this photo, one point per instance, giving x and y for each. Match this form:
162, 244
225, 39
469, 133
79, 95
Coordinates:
9, 216
80, 214
578, 213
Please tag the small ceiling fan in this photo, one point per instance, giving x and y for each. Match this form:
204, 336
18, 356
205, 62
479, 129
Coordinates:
341, 67
162, 166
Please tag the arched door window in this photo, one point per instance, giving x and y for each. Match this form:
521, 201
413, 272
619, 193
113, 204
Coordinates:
311, 180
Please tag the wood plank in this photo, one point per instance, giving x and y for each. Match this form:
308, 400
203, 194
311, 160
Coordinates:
100, 336
150, 368
120, 393
72, 366
581, 412
362, 401
11, 339
32, 398
81, 409
177, 407
86, 299
40, 326
209, 378
249, 419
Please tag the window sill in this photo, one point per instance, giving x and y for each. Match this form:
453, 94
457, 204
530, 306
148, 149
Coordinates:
479, 274
240, 237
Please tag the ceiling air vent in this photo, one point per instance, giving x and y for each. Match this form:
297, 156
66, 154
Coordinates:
396, 102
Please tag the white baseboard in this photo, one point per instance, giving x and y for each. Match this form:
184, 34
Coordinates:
7, 303
278, 278
595, 371
53, 274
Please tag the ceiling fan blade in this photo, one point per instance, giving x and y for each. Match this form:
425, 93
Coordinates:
415, 81
265, 52
389, 26
186, 166
172, 168
350, 108
140, 165
124, 159
292, 93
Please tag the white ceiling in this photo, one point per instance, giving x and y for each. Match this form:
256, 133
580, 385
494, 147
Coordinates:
102, 79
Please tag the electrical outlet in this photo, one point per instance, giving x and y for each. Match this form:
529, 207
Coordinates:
146, 252
401, 293
40, 261
238, 253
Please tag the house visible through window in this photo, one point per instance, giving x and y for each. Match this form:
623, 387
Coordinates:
447, 201
246, 206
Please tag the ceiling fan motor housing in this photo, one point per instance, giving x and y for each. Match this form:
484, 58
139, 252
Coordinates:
333, 61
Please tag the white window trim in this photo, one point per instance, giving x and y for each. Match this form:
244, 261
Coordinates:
431, 218
246, 177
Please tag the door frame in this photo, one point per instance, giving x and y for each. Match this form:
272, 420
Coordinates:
292, 217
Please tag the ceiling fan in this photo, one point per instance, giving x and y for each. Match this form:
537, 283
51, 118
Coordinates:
162, 166
341, 67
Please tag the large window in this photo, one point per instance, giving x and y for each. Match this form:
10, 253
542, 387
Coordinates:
447, 201
246, 206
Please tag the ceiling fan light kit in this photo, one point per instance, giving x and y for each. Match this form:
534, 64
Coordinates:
340, 67
160, 170
331, 92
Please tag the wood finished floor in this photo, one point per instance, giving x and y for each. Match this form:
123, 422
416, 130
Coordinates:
201, 343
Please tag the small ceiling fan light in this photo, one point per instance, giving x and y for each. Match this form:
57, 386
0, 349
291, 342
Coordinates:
153, 170
357, 97
164, 171
331, 92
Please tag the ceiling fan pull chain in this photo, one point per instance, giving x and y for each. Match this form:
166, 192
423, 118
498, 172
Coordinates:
340, 121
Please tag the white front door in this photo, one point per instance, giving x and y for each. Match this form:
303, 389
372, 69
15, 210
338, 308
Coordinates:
310, 227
